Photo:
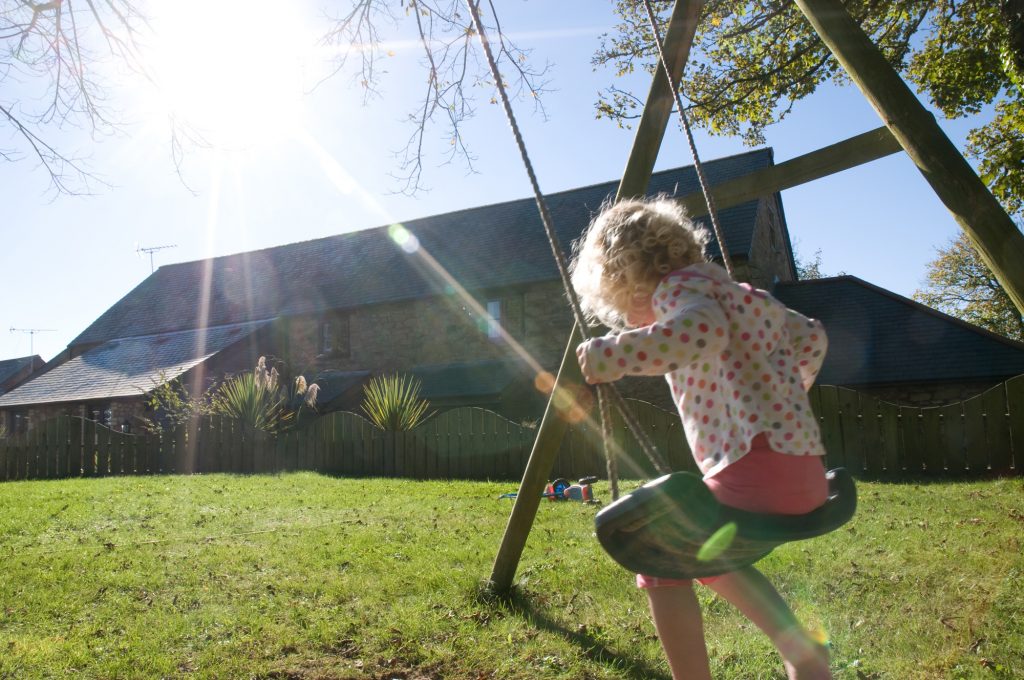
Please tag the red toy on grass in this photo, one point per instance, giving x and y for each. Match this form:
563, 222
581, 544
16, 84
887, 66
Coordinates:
561, 490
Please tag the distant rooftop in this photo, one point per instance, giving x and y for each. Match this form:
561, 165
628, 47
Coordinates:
128, 367
485, 247
879, 337
9, 368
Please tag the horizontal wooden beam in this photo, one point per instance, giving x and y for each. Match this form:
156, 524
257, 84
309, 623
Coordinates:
826, 161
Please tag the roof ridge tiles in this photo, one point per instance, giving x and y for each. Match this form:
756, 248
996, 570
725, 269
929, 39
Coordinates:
218, 327
364, 267
471, 209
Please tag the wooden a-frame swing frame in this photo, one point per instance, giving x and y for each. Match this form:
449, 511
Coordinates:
908, 126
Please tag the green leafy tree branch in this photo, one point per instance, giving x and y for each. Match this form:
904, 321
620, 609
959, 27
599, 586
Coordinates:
959, 284
754, 59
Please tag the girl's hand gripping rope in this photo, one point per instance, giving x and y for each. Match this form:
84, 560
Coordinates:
586, 366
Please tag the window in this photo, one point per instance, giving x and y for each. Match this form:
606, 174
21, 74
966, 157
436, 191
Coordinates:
334, 335
494, 323
101, 412
326, 337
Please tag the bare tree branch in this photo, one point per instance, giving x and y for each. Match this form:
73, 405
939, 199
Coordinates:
56, 164
52, 49
44, 46
453, 69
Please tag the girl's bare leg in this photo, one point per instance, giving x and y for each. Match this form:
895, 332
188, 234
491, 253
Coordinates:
677, 619
754, 595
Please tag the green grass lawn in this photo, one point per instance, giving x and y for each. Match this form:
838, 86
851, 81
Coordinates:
307, 576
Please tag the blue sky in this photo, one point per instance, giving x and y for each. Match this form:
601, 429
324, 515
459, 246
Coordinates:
66, 259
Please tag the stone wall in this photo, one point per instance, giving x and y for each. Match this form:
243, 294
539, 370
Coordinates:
121, 414
769, 258
437, 330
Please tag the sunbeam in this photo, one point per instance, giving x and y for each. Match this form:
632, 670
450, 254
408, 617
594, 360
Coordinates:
573, 403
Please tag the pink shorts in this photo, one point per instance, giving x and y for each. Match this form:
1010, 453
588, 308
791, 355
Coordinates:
762, 481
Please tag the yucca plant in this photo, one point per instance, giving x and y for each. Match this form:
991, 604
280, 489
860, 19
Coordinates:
393, 402
258, 400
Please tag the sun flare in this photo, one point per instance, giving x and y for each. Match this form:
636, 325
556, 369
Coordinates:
231, 70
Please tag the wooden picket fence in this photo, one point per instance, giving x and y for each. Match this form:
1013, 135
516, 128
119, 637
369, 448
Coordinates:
981, 436
464, 443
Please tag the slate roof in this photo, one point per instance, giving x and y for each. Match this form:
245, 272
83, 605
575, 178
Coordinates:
485, 247
128, 367
488, 378
335, 383
879, 337
12, 367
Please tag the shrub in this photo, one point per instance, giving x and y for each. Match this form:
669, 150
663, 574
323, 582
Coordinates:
173, 405
393, 402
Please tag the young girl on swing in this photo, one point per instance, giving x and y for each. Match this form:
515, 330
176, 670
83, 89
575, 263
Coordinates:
738, 363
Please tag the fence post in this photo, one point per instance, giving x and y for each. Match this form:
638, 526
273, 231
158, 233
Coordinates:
5, 458
953, 438
89, 460
997, 429
117, 447
1015, 408
913, 445
831, 430
870, 423
37, 459
850, 425
932, 440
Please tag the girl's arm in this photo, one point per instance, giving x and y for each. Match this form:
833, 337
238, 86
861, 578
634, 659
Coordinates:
697, 330
809, 342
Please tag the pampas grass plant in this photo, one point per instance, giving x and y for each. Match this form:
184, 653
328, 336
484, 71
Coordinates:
259, 401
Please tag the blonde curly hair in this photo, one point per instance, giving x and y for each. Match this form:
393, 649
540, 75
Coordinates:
626, 251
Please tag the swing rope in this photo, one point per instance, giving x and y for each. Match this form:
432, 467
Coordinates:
606, 392
698, 166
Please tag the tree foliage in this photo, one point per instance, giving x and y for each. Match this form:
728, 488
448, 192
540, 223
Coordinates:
809, 269
753, 59
172, 404
961, 285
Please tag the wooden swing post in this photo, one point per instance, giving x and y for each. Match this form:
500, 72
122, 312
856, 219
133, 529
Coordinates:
650, 132
993, 233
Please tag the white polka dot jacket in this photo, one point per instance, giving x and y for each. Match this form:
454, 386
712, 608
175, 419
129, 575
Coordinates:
738, 362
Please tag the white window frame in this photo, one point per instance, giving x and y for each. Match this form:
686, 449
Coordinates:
494, 319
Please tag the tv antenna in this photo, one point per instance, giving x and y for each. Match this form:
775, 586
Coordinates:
31, 336
150, 250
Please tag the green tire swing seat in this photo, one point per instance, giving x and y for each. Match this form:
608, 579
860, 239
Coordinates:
673, 527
